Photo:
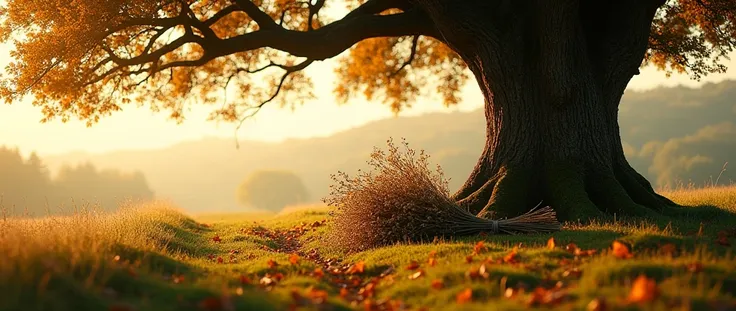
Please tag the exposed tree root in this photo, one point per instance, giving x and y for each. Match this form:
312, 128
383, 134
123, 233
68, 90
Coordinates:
577, 192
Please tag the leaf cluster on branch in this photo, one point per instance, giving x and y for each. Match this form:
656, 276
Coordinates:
86, 59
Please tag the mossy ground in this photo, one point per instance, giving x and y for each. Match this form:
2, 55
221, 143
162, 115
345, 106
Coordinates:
155, 258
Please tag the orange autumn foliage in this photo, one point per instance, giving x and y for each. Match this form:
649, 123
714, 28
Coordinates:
85, 59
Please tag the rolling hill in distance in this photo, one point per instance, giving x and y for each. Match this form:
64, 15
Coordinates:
671, 135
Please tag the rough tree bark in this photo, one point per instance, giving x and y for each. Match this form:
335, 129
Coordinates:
552, 73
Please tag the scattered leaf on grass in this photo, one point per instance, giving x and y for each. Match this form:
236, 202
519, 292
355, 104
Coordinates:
597, 304
512, 257
432, 261
479, 247
416, 275
694, 267
475, 273
220, 259
344, 292
177, 279
549, 297
464, 296
469, 259
572, 273
621, 250
294, 259
317, 296
272, 264
217, 238
437, 284
551, 243
413, 265
357, 268
244, 279
432, 254
575, 250
318, 273
511, 292
644, 289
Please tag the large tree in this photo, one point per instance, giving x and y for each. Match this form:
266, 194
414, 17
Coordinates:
552, 72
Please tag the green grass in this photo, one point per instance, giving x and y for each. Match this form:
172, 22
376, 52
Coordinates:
153, 257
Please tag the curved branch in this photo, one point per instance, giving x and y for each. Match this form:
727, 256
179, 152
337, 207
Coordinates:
332, 39
414, 44
260, 17
255, 109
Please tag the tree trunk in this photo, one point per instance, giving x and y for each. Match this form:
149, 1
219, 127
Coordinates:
552, 73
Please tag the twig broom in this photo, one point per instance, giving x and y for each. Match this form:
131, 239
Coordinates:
402, 200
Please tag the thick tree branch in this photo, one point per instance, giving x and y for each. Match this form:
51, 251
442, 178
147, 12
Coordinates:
260, 17
220, 14
319, 44
331, 39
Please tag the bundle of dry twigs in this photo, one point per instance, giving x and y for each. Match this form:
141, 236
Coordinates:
402, 200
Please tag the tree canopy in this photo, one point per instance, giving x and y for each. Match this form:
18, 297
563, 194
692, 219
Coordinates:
271, 190
86, 59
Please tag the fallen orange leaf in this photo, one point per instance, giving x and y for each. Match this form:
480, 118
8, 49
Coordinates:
177, 279
318, 296
272, 264
216, 238
357, 268
542, 296
469, 258
432, 254
416, 275
294, 259
512, 257
695, 267
597, 304
644, 289
431, 262
621, 250
479, 247
464, 296
413, 265
438, 284
318, 273
551, 243
344, 292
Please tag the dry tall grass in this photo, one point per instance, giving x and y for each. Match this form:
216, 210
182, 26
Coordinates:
69, 249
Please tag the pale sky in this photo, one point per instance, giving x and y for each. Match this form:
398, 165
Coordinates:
139, 128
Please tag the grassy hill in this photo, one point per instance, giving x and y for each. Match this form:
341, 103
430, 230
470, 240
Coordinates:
674, 136
153, 257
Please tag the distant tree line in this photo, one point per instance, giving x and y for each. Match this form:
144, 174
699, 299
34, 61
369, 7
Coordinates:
27, 187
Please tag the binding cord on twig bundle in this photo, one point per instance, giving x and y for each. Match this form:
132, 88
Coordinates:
402, 200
